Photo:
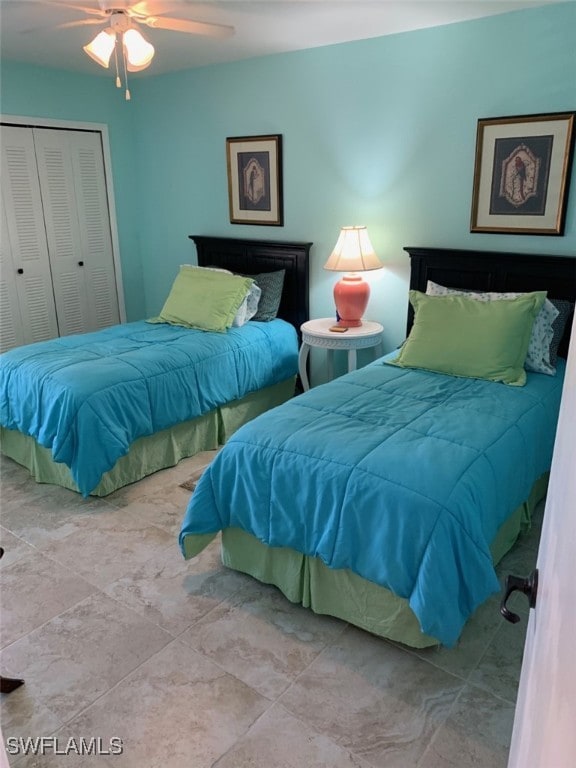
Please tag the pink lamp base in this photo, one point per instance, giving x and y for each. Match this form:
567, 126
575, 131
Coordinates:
351, 294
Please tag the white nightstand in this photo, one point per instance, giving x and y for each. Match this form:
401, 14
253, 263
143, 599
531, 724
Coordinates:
317, 333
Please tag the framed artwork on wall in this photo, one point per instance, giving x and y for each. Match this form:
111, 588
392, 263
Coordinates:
255, 179
522, 174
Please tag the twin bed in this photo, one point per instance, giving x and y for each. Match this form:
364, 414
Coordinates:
98, 411
384, 497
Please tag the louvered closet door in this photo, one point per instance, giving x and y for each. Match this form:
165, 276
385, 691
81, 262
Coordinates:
94, 219
27, 309
72, 183
11, 330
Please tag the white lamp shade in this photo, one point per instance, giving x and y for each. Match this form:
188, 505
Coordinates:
138, 51
100, 49
353, 252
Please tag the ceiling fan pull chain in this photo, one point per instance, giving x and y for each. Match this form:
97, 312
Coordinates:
125, 74
118, 81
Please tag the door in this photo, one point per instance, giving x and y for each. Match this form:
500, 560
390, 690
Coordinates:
73, 189
544, 734
28, 311
11, 330
95, 234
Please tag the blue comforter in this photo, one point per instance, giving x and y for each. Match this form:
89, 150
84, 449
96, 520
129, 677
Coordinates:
88, 397
402, 476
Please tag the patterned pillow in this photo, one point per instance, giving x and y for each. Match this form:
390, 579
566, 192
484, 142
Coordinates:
565, 309
539, 357
271, 284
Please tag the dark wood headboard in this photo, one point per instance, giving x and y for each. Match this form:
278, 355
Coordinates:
250, 257
495, 271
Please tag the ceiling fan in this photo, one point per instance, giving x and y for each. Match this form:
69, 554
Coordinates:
121, 35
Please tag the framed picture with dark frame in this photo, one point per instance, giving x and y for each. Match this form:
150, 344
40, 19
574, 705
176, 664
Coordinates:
522, 174
255, 180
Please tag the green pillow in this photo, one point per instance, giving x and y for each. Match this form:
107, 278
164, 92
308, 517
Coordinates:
464, 337
204, 299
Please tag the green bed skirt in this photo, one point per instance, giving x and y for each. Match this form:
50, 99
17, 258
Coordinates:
343, 594
150, 454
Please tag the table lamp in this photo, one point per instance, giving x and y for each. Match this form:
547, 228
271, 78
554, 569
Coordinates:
353, 253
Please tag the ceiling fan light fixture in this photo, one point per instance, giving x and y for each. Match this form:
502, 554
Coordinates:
137, 50
100, 49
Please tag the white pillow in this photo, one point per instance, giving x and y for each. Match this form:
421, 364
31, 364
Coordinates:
538, 357
252, 300
249, 306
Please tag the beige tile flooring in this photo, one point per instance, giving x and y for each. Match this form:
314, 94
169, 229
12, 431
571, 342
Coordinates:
192, 665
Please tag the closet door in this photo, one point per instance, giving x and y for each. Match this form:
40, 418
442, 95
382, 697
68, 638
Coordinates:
72, 184
27, 311
94, 218
11, 330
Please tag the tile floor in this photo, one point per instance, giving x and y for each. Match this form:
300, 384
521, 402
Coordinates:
195, 666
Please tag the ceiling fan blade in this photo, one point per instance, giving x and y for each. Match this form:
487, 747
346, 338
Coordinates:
74, 7
80, 23
65, 25
190, 27
156, 7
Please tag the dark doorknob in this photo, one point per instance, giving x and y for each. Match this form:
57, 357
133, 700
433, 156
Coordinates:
528, 586
80, 263
20, 271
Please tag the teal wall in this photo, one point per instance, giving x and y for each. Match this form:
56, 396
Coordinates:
379, 132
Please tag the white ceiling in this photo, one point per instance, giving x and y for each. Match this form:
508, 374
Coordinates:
28, 28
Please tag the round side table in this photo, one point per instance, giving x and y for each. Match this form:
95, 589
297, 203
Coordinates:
317, 333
